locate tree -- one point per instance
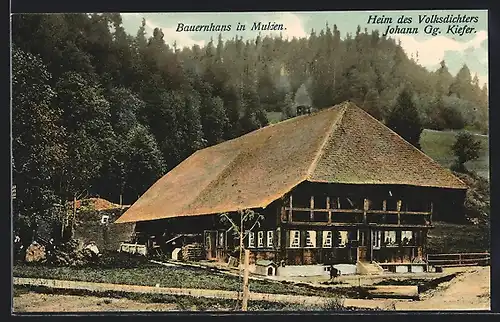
(144, 163)
(38, 146)
(405, 120)
(465, 148)
(240, 229)
(90, 136)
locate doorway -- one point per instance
(211, 244)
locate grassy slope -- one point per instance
(453, 238)
(437, 145)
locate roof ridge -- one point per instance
(328, 135)
(412, 146)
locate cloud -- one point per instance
(294, 25)
(431, 51)
(182, 39)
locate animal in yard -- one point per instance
(334, 273)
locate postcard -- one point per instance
(250, 161)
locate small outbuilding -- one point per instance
(265, 267)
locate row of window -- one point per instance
(262, 241)
(389, 238)
(329, 239)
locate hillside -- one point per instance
(437, 145)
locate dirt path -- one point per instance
(38, 302)
(468, 291)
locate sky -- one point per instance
(455, 47)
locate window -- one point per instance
(327, 239)
(270, 235)
(376, 239)
(260, 239)
(294, 238)
(104, 219)
(251, 239)
(310, 239)
(390, 238)
(342, 238)
(407, 237)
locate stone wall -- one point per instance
(107, 236)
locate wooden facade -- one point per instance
(319, 223)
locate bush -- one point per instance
(121, 260)
(477, 198)
(334, 304)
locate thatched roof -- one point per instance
(341, 144)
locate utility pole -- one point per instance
(244, 305)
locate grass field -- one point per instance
(151, 274)
(437, 145)
(179, 302)
(454, 238)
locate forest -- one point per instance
(100, 112)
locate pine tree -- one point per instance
(405, 120)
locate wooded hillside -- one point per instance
(97, 109)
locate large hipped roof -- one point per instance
(341, 144)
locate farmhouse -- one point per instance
(334, 187)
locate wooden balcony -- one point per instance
(358, 217)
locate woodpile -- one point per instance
(192, 252)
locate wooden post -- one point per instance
(312, 207)
(384, 205)
(290, 211)
(399, 211)
(329, 211)
(365, 209)
(121, 201)
(241, 239)
(244, 305)
(432, 210)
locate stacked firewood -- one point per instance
(192, 252)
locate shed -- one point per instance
(265, 267)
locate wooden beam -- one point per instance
(325, 224)
(432, 211)
(283, 214)
(358, 211)
(328, 209)
(400, 226)
(312, 208)
(384, 205)
(290, 209)
(354, 211)
(365, 209)
(399, 211)
(394, 212)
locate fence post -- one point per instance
(244, 305)
(460, 259)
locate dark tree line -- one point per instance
(96, 109)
